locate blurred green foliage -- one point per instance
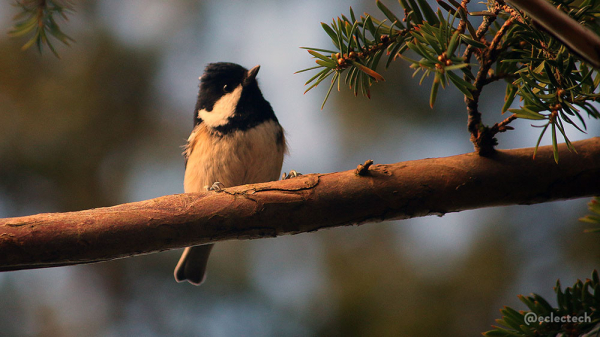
(380, 293)
(65, 123)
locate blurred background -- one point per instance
(104, 125)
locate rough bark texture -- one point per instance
(304, 204)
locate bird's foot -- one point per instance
(292, 174)
(217, 186)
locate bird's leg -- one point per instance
(292, 174)
(217, 186)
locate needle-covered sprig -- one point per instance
(361, 44)
(576, 313)
(594, 207)
(554, 84)
(37, 18)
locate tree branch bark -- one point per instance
(304, 204)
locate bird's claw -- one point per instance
(292, 174)
(217, 186)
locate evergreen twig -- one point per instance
(37, 19)
(554, 84)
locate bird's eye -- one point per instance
(226, 88)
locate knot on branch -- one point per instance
(484, 141)
(363, 169)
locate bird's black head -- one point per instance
(229, 98)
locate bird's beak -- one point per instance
(251, 75)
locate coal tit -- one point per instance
(236, 140)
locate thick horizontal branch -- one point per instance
(304, 204)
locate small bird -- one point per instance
(236, 140)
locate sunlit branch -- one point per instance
(308, 203)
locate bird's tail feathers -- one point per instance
(192, 264)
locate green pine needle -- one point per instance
(37, 19)
(551, 82)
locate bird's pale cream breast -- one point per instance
(236, 158)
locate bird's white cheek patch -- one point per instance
(223, 109)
